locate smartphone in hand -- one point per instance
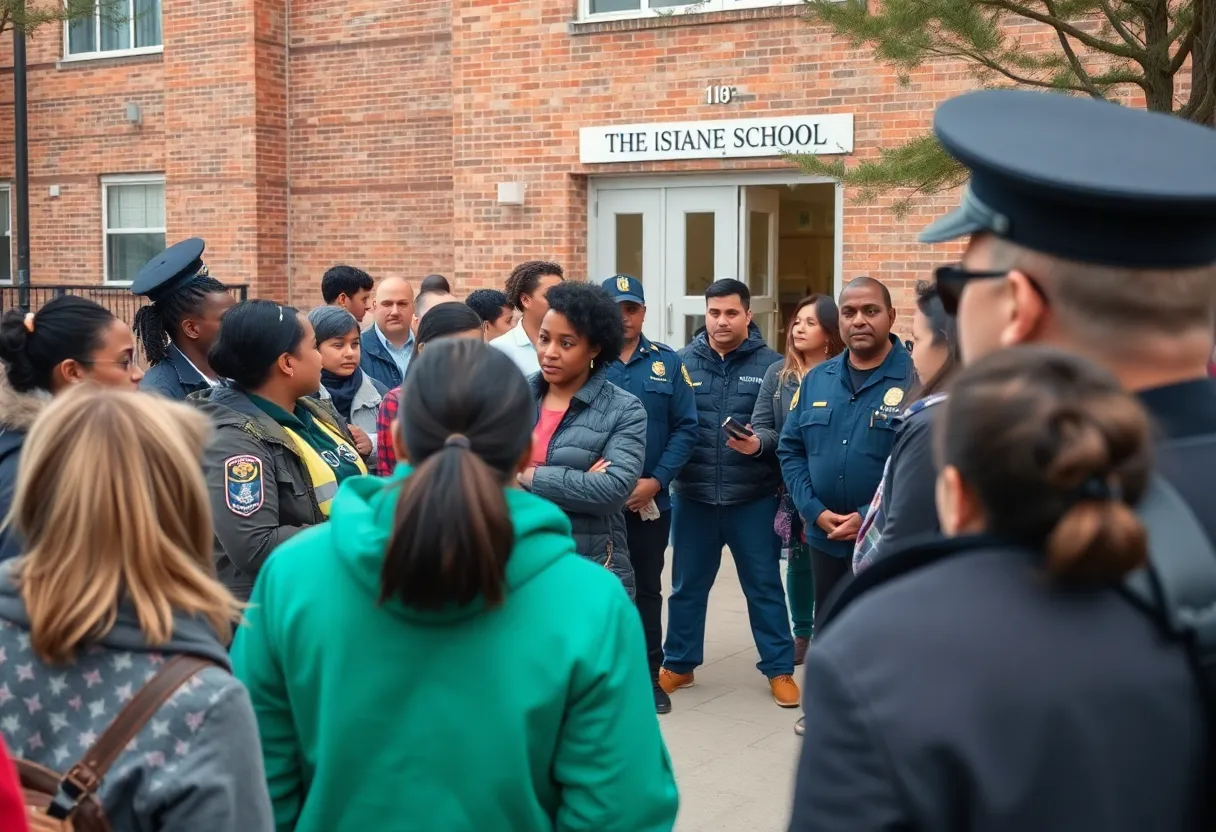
(736, 429)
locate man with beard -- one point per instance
(841, 428)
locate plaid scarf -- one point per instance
(870, 533)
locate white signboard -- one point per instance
(721, 139)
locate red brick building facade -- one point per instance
(401, 137)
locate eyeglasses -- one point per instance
(952, 279)
(125, 363)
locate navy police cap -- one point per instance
(622, 288)
(1081, 179)
(170, 269)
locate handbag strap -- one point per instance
(85, 776)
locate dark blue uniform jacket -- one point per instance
(655, 375)
(836, 441)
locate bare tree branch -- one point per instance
(1184, 50)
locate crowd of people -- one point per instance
(331, 573)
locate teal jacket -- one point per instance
(537, 715)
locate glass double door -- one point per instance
(679, 240)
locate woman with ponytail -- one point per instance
(69, 341)
(439, 656)
(999, 679)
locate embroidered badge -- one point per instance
(893, 397)
(331, 459)
(348, 453)
(658, 369)
(794, 401)
(622, 284)
(687, 378)
(243, 490)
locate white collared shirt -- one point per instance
(519, 347)
(211, 382)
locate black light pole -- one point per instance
(21, 160)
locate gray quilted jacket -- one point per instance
(603, 422)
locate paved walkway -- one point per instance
(734, 750)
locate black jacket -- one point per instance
(973, 695)
(174, 378)
(281, 501)
(726, 387)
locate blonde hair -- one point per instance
(113, 507)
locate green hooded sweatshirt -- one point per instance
(537, 715)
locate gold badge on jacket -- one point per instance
(622, 284)
(794, 401)
(893, 397)
(658, 369)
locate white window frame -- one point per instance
(7, 189)
(691, 10)
(124, 179)
(69, 57)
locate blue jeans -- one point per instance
(699, 531)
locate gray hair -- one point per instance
(331, 322)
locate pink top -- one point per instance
(542, 434)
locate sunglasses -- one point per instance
(952, 279)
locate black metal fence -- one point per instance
(117, 299)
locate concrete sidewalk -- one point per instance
(734, 750)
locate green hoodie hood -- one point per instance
(361, 522)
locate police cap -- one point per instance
(1081, 179)
(170, 269)
(622, 288)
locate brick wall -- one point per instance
(297, 134)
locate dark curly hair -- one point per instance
(594, 315)
(526, 277)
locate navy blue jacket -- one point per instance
(174, 378)
(375, 360)
(655, 375)
(836, 441)
(715, 474)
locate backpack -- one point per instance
(69, 803)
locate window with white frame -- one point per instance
(6, 240)
(114, 27)
(614, 9)
(133, 215)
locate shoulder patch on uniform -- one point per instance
(794, 401)
(661, 346)
(687, 377)
(243, 488)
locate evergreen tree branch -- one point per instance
(920, 167)
(1064, 27)
(1073, 61)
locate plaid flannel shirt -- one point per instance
(386, 460)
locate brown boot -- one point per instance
(672, 682)
(785, 691)
(800, 645)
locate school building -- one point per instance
(463, 136)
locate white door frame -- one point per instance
(596, 184)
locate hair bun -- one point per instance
(15, 334)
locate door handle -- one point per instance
(670, 329)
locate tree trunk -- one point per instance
(1203, 64)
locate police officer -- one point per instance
(841, 427)
(178, 327)
(1091, 227)
(654, 373)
